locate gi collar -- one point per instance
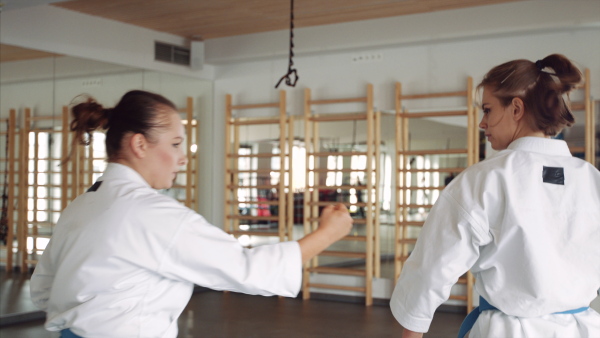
(541, 145)
(121, 171)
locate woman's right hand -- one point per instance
(335, 223)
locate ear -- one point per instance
(518, 109)
(138, 145)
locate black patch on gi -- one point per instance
(95, 186)
(554, 175)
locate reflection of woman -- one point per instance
(123, 259)
(525, 221)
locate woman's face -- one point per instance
(167, 155)
(497, 121)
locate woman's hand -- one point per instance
(335, 223)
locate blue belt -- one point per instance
(468, 323)
(67, 333)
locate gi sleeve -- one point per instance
(207, 256)
(447, 247)
(40, 284)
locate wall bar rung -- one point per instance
(434, 114)
(346, 254)
(337, 271)
(433, 95)
(254, 122)
(338, 117)
(337, 287)
(334, 101)
(433, 152)
(337, 153)
(255, 106)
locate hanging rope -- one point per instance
(292, 75)
(4, 218)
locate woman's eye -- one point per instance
(176, 145)
(486, 110)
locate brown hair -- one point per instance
(137, 112)
(541, 86)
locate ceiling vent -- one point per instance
(171, 53)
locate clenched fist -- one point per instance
(335, 223)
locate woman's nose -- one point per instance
(183, 160)
(482, 123)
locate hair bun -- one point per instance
(88, 117)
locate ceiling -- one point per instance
(210, 19)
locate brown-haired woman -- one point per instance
(525, 221)
(123, 259)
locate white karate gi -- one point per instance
(123, 260)
(533, 247)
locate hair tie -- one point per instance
(539, 64)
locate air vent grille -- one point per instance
(171, 53)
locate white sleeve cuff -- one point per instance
(407, 321)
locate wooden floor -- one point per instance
(14, 293)
(218, 314)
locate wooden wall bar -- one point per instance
(315, 174)
(258, 180)
(405, 227)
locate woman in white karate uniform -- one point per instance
(525, 221)
(123, 259)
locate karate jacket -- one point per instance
(123, 261)
(526, 222)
